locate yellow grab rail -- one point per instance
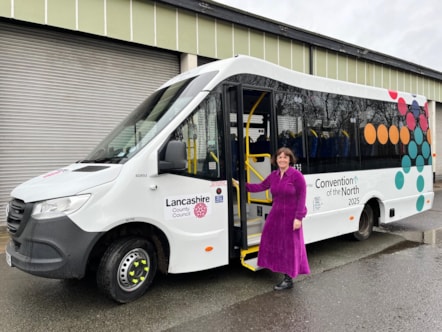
(249, 167)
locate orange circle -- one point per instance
(429, 136)
(370, 133)
(382, 134)
(393, 132)
(405, 135)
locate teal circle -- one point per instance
(406, 163)
(399, 180)
(418, 135)
(426, 150)
(420, 163)
(412, 149)
(420, 183)
(420, 203)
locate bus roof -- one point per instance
(242, 64)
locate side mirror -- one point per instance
(175, 157)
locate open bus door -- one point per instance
(250, 124)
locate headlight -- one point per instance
(58, 207)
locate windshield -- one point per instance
(147, 120)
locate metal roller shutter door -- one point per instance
(61, 93)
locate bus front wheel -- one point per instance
(127, 269)
(366, 223)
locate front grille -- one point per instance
(15, 215)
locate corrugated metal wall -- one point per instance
(60, 94)
(167, 27)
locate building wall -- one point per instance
(164, 26)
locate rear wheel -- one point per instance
(366, 223)
(127, 269)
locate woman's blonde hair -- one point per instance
(287, 152)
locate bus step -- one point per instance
(253, 224)
(250, 263)
(254, 239)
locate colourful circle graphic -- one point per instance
(420, 183)
(405, 135)
(393, 94)
(420, 163)
(412, 149)
(411, 121)
(423, 122)
(393, 132)
(406, 163)
(370, 133)
(420, 203)
(418, 136)
(426, 150)
(399, 180)
(415, 108)
(402, 106)
(382, 133)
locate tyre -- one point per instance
(127, 269)
(366, 223)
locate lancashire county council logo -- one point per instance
(200, 210)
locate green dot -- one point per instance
(406, 163)
(399, 180)
(418, 136)
(420, 163)
(420, 203)
(420, 183)
(426, 150)
(412, 149)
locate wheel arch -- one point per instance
(375, 203)
(142, 229)
(368, 218)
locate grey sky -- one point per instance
(407, 29)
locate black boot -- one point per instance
(286, 283)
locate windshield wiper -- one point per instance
(107, 160)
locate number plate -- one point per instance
(8, 259)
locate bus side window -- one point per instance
(199, 139)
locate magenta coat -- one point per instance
(282, 249)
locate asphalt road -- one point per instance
(224, 299)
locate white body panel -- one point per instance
(64, 182)
(335, 200)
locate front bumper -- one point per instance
(53, 248)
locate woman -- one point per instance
(282, 247)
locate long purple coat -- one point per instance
(282, 249)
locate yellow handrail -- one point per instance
(214, 157)
(195, 159)
(249, 156)
(191, 157)
(249, 119)
(259, 176)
